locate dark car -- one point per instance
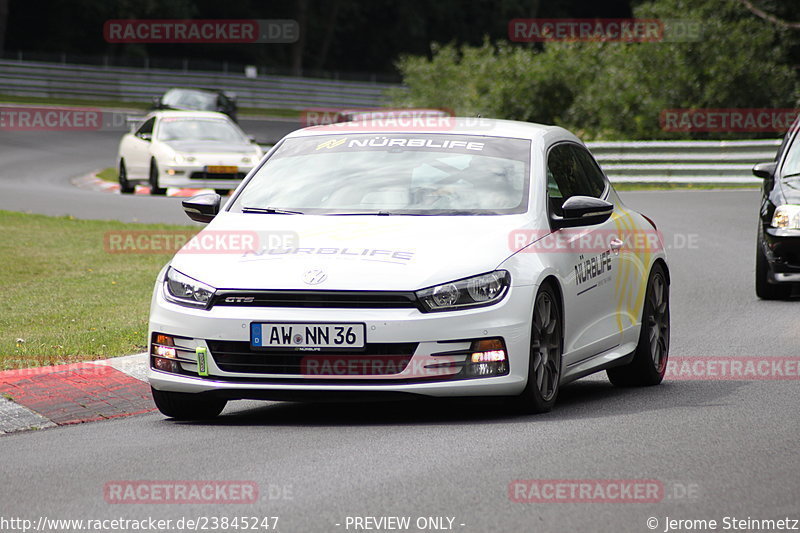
(198, 100)
(778, 248)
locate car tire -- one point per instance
(155, 190)
(764, 289)
(187, 406)
(649, 362)
(546, 349)
(125, 186)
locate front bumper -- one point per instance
(782, 250)
(196, 176)
(432, 334)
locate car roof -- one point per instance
(178, 113)
(195, 89)
(445, 125)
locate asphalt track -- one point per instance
(720, 448)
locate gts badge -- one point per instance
(239, 299)
(589, 269)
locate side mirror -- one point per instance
(583, 211)
(203, 207)
(765, 171)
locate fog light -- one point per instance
(163, 354)
(164, 351)
(167, 365)
(488, 358)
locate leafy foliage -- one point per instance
(615, 90)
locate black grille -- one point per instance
(213, 176)
(318, 299)
(376, 359)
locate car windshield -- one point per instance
(202, 101)
(791, 166)
(427, 174)
(194, 129)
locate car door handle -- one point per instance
(616, 245)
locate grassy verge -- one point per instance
(65, 298)
(109, 174)
(645, 186)
(144, 106)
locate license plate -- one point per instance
(307, 335)
(222, 170)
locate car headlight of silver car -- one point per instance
(786, 217)
(476, 291)
(183, 290)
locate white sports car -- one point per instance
(192, 149)
(491, 259)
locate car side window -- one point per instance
(146, 129)
(566, 176)
(791, 164)
(595, 179)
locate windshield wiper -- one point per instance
(270, 211)
(371, 213)
(792, 175)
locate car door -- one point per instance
(588, 257)
(137, 150)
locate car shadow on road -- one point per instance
(586, 399)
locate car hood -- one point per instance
(192, 147)
(353, 252)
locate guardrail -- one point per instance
(55, 80)
(683, 161)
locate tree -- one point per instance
(615, 90)
(3, 19)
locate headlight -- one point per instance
(181, 289)
(477, 291)
(786, 217)
(182, 158)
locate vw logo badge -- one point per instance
(315, 276)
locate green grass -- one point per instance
(144, 106)
(65, 298)
(645, 186)
(108, 174)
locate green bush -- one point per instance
(614, 90)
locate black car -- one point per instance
(198, 100)
(778, 248)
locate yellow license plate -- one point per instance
(222, 170)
